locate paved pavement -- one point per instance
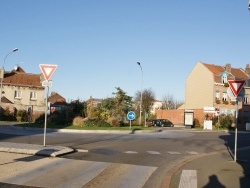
(33, 149)
(206, 170)
(215, 170)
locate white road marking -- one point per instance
(154, 152)
(59, 172)
(150, 152)
(192, 152)
(174, 153)
(188, 179)
(131, 152)
(82, 150)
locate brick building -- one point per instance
(207, 86)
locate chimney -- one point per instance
(228, 68)
(247, 70)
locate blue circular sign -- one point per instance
(131, 115)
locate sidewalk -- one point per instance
(32, 149)
(214, 170)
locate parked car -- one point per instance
(162, 123)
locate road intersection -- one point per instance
(118, 158)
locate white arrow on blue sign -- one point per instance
(131, 115)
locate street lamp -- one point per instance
(141, 91)
(2, 76)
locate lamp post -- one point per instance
(2, 76)
(141, 91)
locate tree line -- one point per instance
(114, 109)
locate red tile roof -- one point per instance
(215, 69)
(19, 77)
(236, 73)
(56, 99)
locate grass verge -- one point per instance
(72, 127)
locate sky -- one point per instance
(96, 44)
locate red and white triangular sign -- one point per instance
(47, 70)
(236, 86)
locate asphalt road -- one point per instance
(160, 150)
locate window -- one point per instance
(18, 94)
(33, 95)
(224, 97)
(224, 78)
(245, 99)
(217, 96)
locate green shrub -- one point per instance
(8, 115)
(226, 121)
(78, 121)
(96, 123)
(123, 124)
(215, 120)
(53, 118)
(217, 101)
(225, 102)
(21, 115)
(196, 123)
(40, 119)
(113, 121)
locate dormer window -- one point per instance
(224, 77)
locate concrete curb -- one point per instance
(49, 130)
(168, 177)
(32, 149)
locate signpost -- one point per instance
(47, 71)
(131, 117)
(236, 86)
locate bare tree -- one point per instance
(170, 102)
(148, 97)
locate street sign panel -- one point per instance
(47, 83)
(236, 86)
(47, 70)
(131, 115)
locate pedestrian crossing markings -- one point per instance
(150, 152)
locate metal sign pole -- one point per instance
(45, 120)
(236, 86)
(130, 124)
(218, 120)
(236, 131)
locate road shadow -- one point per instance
(242, 154)
(29, 158)
(8, 185)
(214, 183)
(24, 159)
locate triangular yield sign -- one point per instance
(236, 86)
(47, 70)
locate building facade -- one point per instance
(156, 105)
(207, 86)
(22, 91)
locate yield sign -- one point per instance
(236, 86)
(47, 70)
